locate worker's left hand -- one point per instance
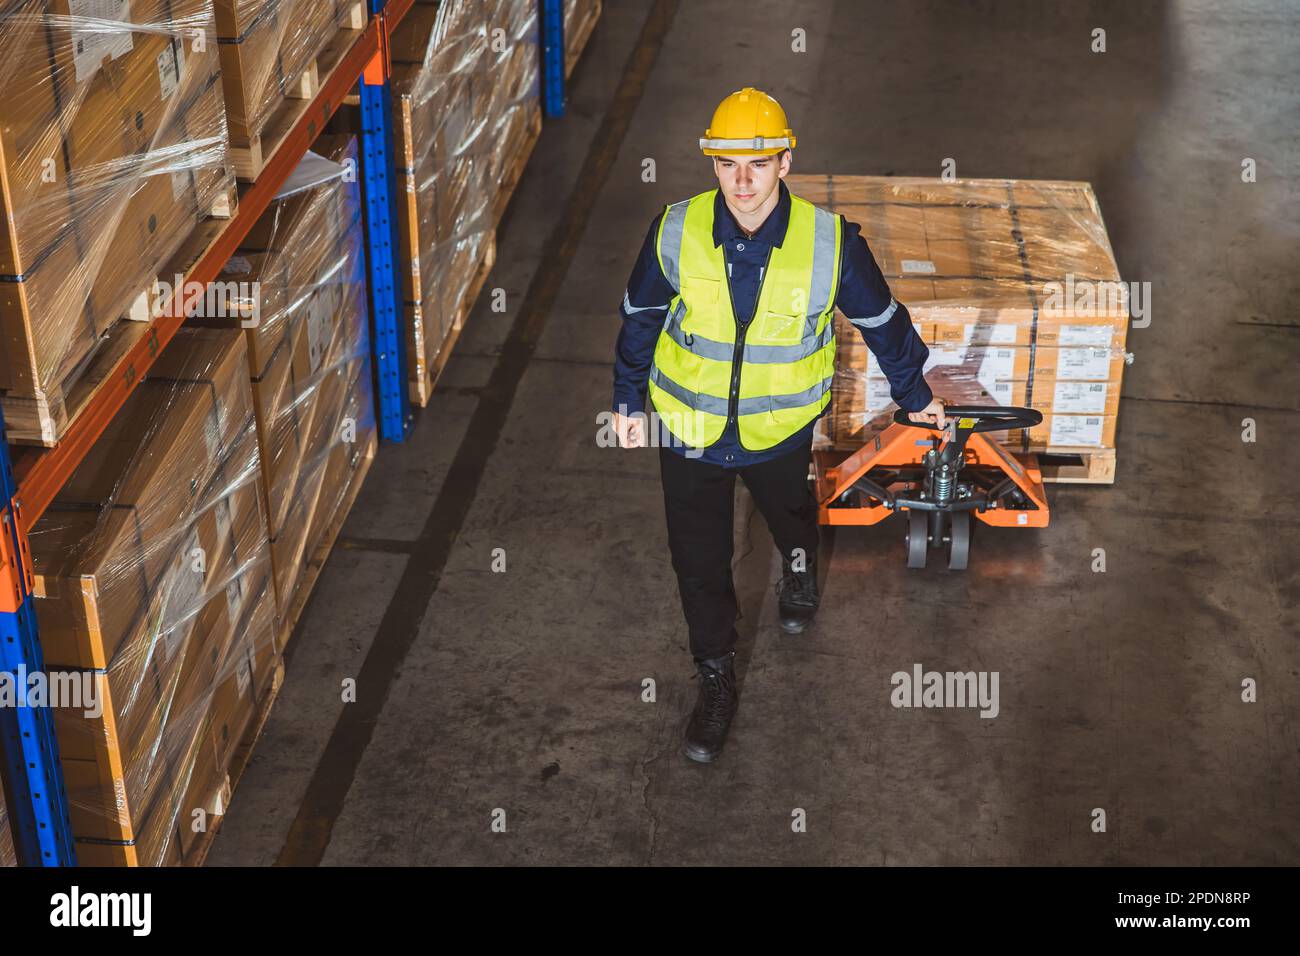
(932, 413)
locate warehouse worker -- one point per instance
(728, 318)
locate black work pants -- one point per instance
(699, 501)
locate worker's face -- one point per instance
(749, 181)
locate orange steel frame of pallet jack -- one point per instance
(900, 446)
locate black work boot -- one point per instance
(797, 596)
(714, 708)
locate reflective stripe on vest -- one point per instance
(788, 356)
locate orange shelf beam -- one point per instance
(393, 12)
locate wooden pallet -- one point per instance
(1070, 467)
(43, 419)
(249, 155)
(576, 42)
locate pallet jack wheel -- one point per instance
(959, 550)
(918, 538)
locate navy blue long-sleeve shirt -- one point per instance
(863, 297)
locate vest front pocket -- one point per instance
(779, 328)
(703, 298)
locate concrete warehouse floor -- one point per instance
(521, 690)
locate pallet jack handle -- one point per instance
(979, 418)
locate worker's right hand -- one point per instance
(630, 430)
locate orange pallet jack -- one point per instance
(938, 480)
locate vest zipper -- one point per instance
(733, 403)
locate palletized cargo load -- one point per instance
(466, 114)
(269, 58)
(1011, 283)
(309, 357)
(113, 145)
(580, 18)
(154, 591)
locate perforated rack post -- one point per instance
(29, 751)
(388, 337)
(552, 12)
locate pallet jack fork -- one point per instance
(939, 480)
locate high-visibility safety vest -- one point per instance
(773, 376)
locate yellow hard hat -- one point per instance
(747, 123)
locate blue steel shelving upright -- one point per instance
(29, 752)
(552, 14)
(388, 337)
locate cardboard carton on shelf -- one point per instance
(309, 356)
(113, 147)
(152, 563)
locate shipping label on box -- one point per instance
(998, 364)
(223, 518)
(878, 396)
(235, 598)
(320, 320)
(1081, 397)
(93, 40)
(1078, 364)
(1092, 336)
(1005, 393)
(244, 676)
(170, 62)
(940, 356)
(1077, 430)
(1000, 333)
(980, 333)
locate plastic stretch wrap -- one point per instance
(466, 78)
(309, 352)
(155, 604)
(268, 54)
(580, 18)
(7, 855)
(113, 143)
(1013, 286)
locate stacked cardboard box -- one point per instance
(466, 114)
(268, 55)
(580, 18)
(153, 583)
(113, 144)
(7, 855)
(309, 355)
(1011, 283)
(509, 97)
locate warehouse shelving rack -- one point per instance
(29, 756)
